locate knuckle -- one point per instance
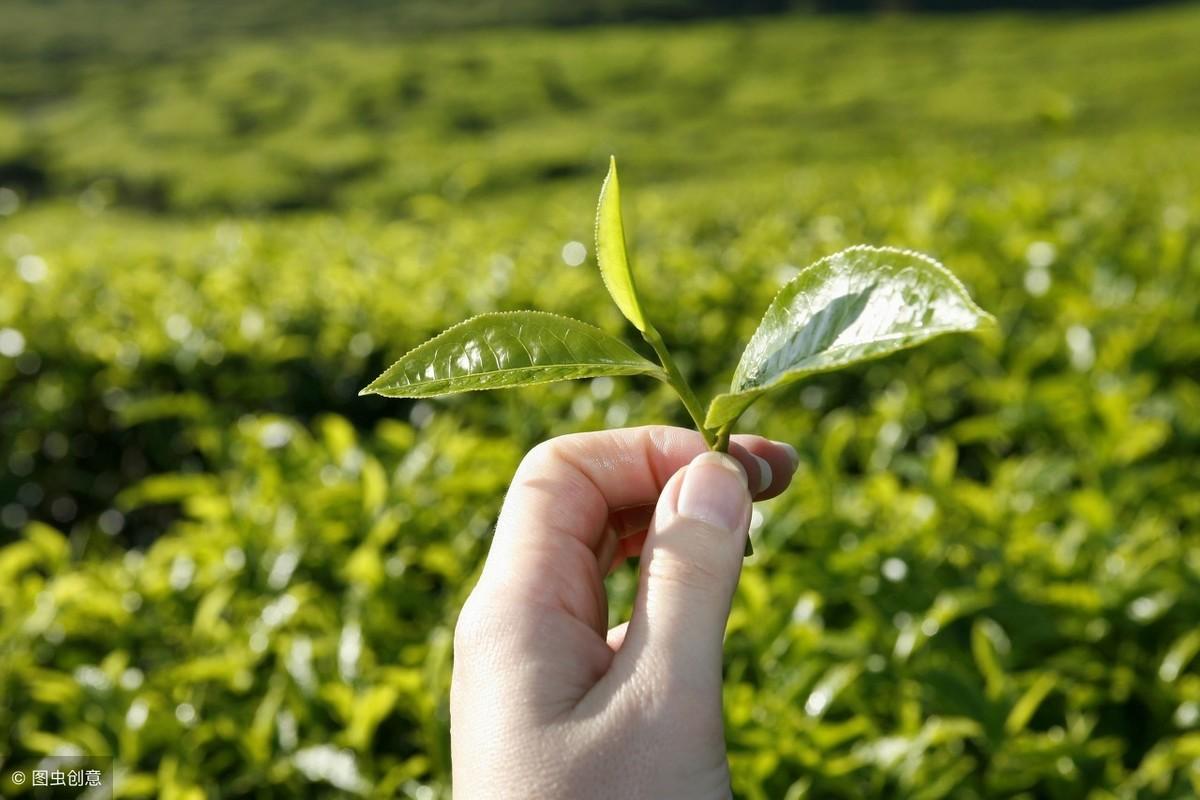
(542, 455)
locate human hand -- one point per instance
(546, 701)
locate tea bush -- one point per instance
(229, 571)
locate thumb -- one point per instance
(690, 566)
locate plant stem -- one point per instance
(722, 443)
(718, 441)
(677, 382)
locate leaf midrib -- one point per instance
(834, 352)
(648, 369)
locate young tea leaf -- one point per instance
(515, 348)
(859, 304)
(610, 250)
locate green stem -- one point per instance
(677, 382)
(722, 443)
(718, 441)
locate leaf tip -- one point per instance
(611, 256)
(610, 184)
(374, 387)
(987, 327)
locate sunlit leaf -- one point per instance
(1024, 709)
(859, 304)
(1181, 652)
(610, 250)
(989, 645)
(515, 348)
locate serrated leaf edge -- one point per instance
(652, 368)
(986, 321)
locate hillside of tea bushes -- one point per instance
(223, 567)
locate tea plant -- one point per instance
(982, 582)
(861, 303)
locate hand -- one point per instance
(546, 701)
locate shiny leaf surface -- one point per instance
(610, 250)
(499, 350)
(859, 304)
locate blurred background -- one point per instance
(219, 220)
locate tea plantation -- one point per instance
(223, 567)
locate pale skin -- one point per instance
(547, 701)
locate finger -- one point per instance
(781, 459)
(769, 466)
(565, 488)
(758, 470)
(629, 547)
(630, 525)
(551, 530)
(549, 546)
(616, 636)
(690, 565)
(561, 497)
(606, 552)
(628, 521)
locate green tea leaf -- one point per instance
(515, 348)
(859, 304)
(610, 250)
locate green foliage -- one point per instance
(350, 114)
(513, 348)
(240, 578)
(859, 304)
